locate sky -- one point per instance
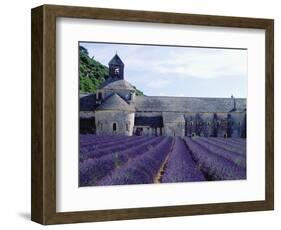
(178, 71)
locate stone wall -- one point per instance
(238, 124)
(174, 129)
(195, 124)
(174, 124)
(114, 122)
(215, 124)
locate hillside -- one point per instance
(91, 72)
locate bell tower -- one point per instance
(116, 68)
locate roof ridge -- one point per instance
(115, 59)
(115, 84)
(115, 102)
(146, 96)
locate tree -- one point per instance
(229, 125)
(198, 124)
(215, 126)
(83, 50)
(91, 72)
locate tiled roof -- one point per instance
(116, 85)
(188, 104)
(86, 114)
(116, 60)
(115, 102)
(87, 101)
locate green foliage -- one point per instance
(91, 72)
(138, 92)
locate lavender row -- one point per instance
(90, 137)
(102, 141)
(117, 147)
(234, 141)
(214, 166)
(88, 141)
(240, 149)
(95, 146)
(142, 169)
(92, 170)
(236, 158)
(229, 141)
(96, 153)
(118, 141)
(180, 166)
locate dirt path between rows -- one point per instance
(157, 178)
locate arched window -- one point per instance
(99, 96)
(116, 70)
(114, 127)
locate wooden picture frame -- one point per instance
(43, 208)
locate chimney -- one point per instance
(132, 97)
(234, 103)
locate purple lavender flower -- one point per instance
(226, 144)
(236, 158)
(180, 166)
(93, 169)
(215, 167)
(142, 169)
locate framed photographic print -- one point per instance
(140, 114)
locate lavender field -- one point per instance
(119, 160)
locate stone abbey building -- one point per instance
(115, 109)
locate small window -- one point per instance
(191, 123)
(99, 96)
(116, 71)
(208, 123)
(114, 127)
(127, 127)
